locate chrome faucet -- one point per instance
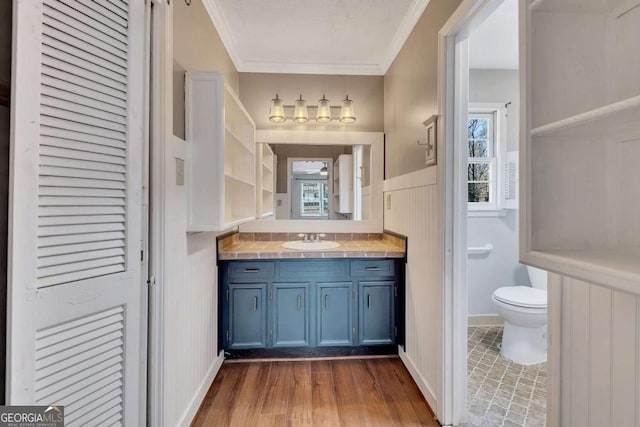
(310, 237)
(305, 237)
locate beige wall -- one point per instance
(196, 47)
(257, 90)
(410, 91)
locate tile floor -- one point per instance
(502, 393)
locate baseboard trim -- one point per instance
(426, 391)
(485, 320)
(196, 402)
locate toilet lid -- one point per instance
(522, 296)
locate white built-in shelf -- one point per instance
(265, 168)
(582, 138)
(618, 268)
(220, 172)
(240, 180)
(599, 120)
(233, 139)
(612, 7)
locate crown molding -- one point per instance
(224, 30)
(298, 68)
(402, 33)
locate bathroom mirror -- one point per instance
(324, 181)
(321, 182)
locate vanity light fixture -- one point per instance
(324, 111)
(324, 171)
(276, 112)
(300, 114)
(324, 115)
(346, 113)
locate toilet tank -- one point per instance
(537, 277)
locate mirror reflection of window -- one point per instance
(310, 191)
(315, 200)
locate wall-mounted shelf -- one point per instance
(582, 140)
(220, 173)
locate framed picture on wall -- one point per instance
(430, 140)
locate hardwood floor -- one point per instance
(346, 392)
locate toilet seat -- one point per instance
(522, 296)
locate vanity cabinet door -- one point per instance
(335, 314)
(247, 316)
(376, 313)
(290, 315)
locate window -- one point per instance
(314, 199)
(481, 168)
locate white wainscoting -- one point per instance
(190, 305)
(594, 355)
(412, 208)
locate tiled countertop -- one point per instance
(252, 249)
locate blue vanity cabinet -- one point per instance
(247, 316)
(377, 313)
(311, 306)
(335, 314)
(290, 316)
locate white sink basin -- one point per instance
(310, 246)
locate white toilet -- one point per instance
(524, 310)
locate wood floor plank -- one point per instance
(351, 408)
(276, 396)
(366, 386)
(402, 399)
(337, 393)
(420, 406)
(250, 395)
(300, 411)
(321, 366)
(270, 420)
(221, 397)
(323, 399)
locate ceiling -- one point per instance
(494, 43)
(307, 167)
(353, 37)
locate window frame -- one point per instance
(497, 156)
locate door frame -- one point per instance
(161, 124)
(453, 81)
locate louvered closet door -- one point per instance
(75, 312)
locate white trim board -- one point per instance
(243, 65)
(484, 320)
(198, 398)
(419, 178)
(426, 391)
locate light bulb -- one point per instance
(324, 111)
(300, 114)
(276, 112)
(346, 113)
